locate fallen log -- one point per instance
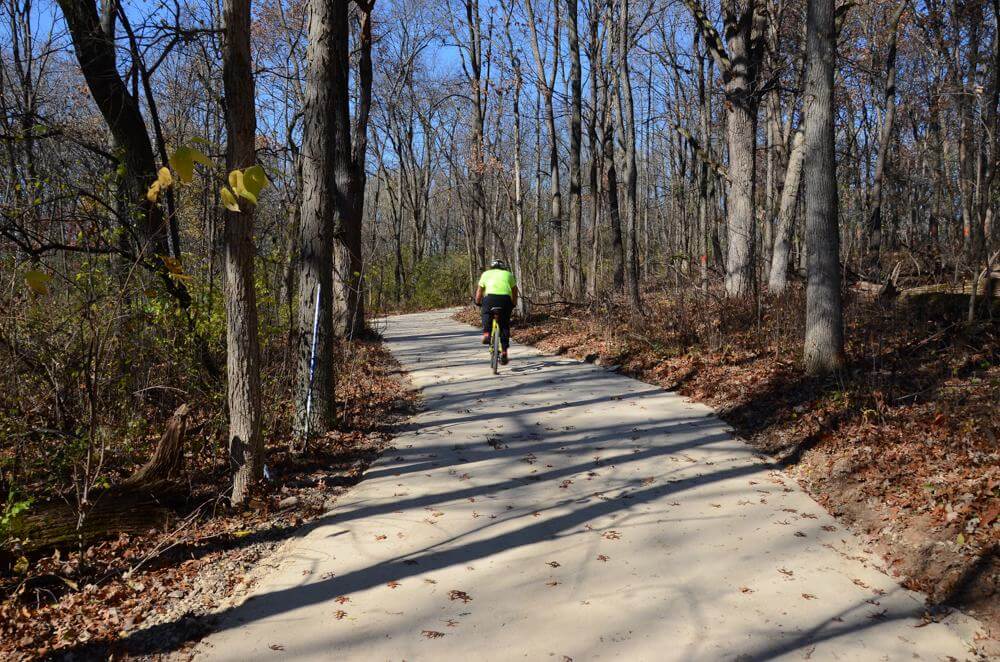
(145, 500)
(946, 289)
(951, 297)
(117, 510)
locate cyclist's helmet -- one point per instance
(498, 264)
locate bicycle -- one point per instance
(495, 340)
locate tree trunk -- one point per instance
(547, 89)
(704, 117)
(95, 51)
(594, 57)
(778, 278)
(741, 131)
(885, 140)
(352, 273)
(614, 215)
(246, 445)
(824, 341)
(314, 403)
(474, 51)
(575, 140)
(626, 127)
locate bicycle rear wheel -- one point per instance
(495, 348)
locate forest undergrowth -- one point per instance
(902, 445)
(87, 598)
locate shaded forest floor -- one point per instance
(88, 599)
(902, 446)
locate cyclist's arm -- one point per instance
(479, 295)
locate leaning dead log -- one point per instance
(168, 458)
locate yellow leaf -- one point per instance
(242, 534)
(21, 565)
(229, 200)
(199, 157)
(164, 177)
(248, 195)
(236, 180)
(38, 281)
(254, 179)
(183, 160)
(153, 194)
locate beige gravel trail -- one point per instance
(561, 511)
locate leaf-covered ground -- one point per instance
(902, 445)
(86, 601)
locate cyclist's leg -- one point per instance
(508, 308)
(485, 310)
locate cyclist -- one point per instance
(497, 289)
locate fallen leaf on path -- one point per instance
(460, 595)
(341, 599)
(552, 583)
(746, 589)
(432, 634)
(381, 537)
(799, 534)
(611, 535)
(860, 583)
(554, 564)
(786, 572)
(393, 584)
(276, 647)
(339, 614)
(808, 596)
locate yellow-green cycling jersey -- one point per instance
(497, 281)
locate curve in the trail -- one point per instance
(561, 511)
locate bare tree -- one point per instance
(322, 117)
(885, 136)
(738, 61)
(824, 342)
(547, 86)
(575, 140)
(246, 446)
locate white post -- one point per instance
(312, 362)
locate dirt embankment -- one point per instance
(903, 446)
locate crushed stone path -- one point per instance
(560, 511)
